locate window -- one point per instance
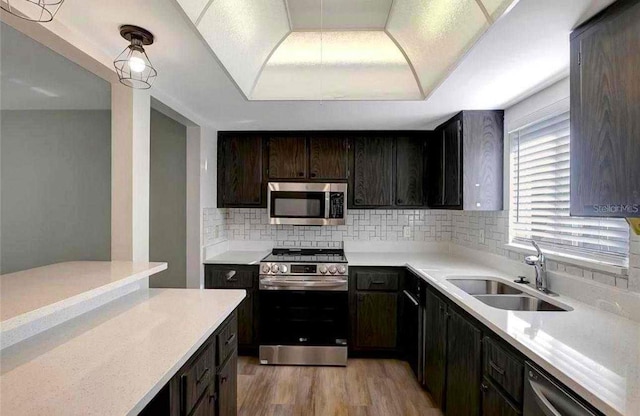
(540, 197)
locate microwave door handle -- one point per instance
(327, 207)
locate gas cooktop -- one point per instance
(306, 255)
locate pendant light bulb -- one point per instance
(137, 64)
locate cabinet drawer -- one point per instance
(503, 369)
(196, 377)
(494, 404)
(229, 278)
(227, 339)
(385, 281)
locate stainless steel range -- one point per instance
(304, 307)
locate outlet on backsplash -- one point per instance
(407, 232)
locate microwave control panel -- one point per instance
(336, 201)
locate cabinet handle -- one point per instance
(497, 369)
(358, 200)
(484, 387)
(223, 379)
(313, 174)
(202, 376)
(229, 276)
(400, 201)
(300, 173)
(230, 339)
(377, 282)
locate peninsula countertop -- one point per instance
(112, 360)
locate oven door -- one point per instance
(299, 203)
(304, 318)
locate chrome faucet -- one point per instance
(539, 262)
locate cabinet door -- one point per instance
(227, 387)
(464, 367)
(287, 158)
(483, 156)
(373, 172)
(452, 164)
(605, 116)
(494, 404)
(435, 342)
(435, 169)
(240, 173)
(409, 172)
(377, 320)
(245, 320)
(328, 158)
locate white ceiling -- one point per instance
(313, 15)
(333, 41)
(524, 51)
(34, 77)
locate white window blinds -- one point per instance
(540, 197)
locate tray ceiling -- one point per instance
(341, 49)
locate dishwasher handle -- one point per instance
(543, 396)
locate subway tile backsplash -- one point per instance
(461, 228)
(364, 225)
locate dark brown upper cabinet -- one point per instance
(465, 162)
(372, 182)
(240, 169)
(288, 158)
(605, 113)
(328, 158)
(410, 172)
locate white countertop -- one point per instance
(32, 289)
(114, 359)
(238, 257)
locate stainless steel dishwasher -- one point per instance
(544, 397)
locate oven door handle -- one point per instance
(290, 283)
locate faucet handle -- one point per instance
(537, 247)
(521, 280)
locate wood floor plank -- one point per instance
(366, 387)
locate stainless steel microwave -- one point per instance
(300, 203)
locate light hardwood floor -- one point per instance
(366, 387)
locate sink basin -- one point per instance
(519, 303)
(484, 287)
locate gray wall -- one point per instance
(168, 200)
(55, 187)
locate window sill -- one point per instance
(586, 263)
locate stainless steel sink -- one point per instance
(519, 303)
(484, 287)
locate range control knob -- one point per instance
(322, 269)
(266, 268)
(333, 269)
(342, 270)
(284, 268)
(275, 268)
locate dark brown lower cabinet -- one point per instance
(223, 276)
(435, 342)
(207, 383)
(493, 403)
(376, 320)
(226, 385)
(464, 366)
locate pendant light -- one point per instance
(33, 10)
(132, 65)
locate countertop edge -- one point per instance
(138, 407)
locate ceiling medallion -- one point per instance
(33, 10)
(132, 65)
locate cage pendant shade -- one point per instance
(133, 66)
(33, 10)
